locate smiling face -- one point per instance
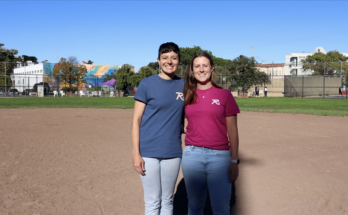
(169, 62)
(202, 70)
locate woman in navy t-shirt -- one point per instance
(156, 131)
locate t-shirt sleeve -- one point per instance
(231, 105)
(141, 92)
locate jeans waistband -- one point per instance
(203, 148)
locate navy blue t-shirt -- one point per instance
(161, 123)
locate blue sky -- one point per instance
(118, 32)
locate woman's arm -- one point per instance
(138, 161)
(232, 131)
(185, 125)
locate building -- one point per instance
(274, 70)
(293, 65)
(27, 74)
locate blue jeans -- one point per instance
(159, 183)
(203, 169)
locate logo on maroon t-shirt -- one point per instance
(216, 101)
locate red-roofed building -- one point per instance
(275, 70)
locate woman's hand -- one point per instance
(139, 164)
(233, 172)
(138, 161)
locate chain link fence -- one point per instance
(19, 80)
(326, 86)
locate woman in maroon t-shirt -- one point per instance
(210, 158)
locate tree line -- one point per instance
(331, 63)
(240, 73)
(9, 56)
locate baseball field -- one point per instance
(73, 156)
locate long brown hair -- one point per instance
(191, 82)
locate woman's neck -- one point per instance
(166, 76)
(204, 86)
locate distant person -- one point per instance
(265, 91)
(340, 91)
(258, 90)
(156, 131)
(210, 158)
(126, 93)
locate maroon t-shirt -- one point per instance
(207, 118)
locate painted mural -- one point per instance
(94, 76)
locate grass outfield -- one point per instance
(68, 102)
(320, 107)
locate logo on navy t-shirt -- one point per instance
(180, 95)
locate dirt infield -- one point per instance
(78, 161)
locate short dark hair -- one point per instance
(168, 47)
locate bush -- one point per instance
(70, 89)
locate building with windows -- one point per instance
(274, 70)
(293, 64)
(27, 74)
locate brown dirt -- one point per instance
(78, 161)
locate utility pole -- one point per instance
(252, 51)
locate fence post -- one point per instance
(324, 86)
(302, 84)
(290, 88)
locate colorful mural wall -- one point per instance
(93, 77)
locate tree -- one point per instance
(8, 56)
(2, 82)
(261, 78)
(123, 75)
(90, 62)
(70, 71)
(153, 65)
(187, 54)
(244, 73)
(31, 58)
(108, 77)
(325, 64)
(143, 72)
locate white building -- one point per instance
(293, 65)
(26, 75)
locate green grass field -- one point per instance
(68, 102)
(320, 107)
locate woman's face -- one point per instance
(202, 69)
(169, 62)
